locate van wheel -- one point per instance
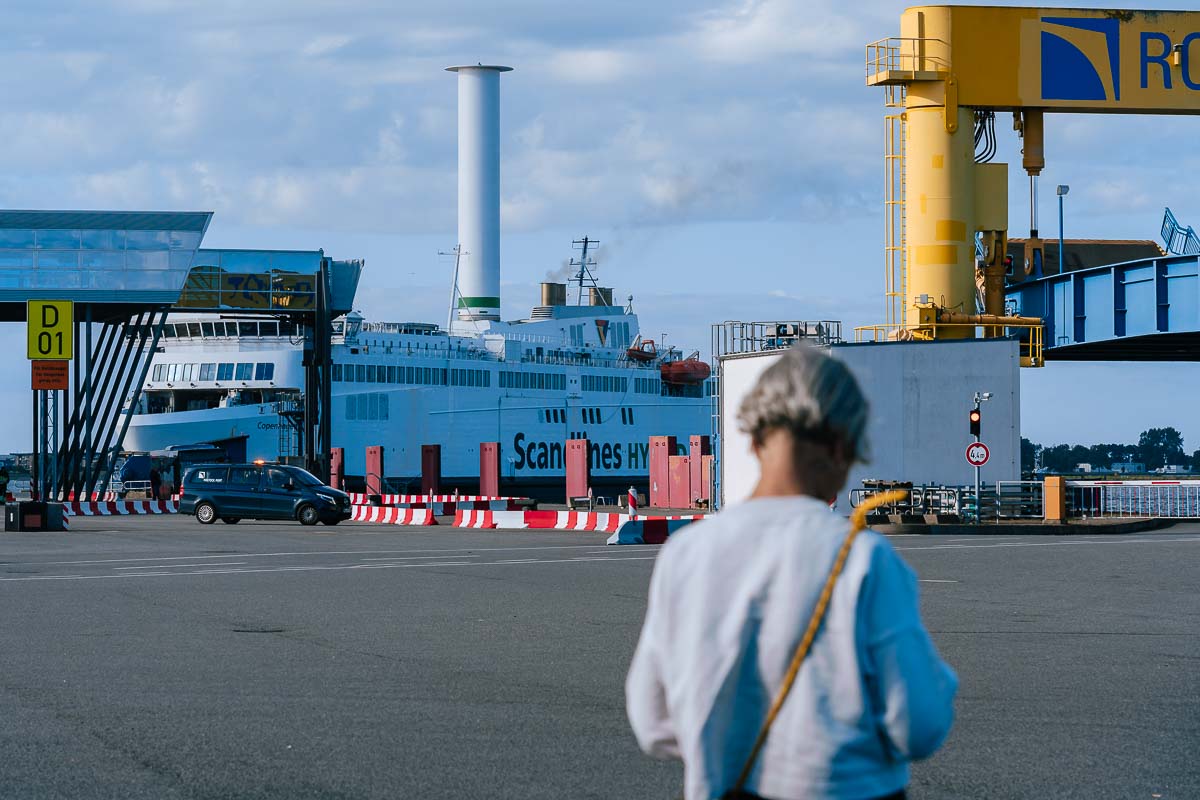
(308, 515)
(206, 513)
(231, 520)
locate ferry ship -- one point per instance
(564, 372)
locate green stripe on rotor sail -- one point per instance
(479, 302)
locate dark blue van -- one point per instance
(233, 492)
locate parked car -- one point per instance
(233, 492)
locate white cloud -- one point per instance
(326, 44)
(591, 66)
(755, 31)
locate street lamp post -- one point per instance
(980, 399)
(1062, 192)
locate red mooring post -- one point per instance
(337, 463)
(661, 449)
(680, 482)
(431, 468)
(577, 467)
(489, 469)
(374, 470)
(698, 448)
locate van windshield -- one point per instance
(305, 478)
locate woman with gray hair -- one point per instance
(732, 596)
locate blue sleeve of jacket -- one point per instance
(913, 689)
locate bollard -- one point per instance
(489, 469)
(431, 468)
(1054, 499)
(661, 450)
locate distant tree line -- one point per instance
(1155, 448)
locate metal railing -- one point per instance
(735, 336)
(1019, 500)
(1173, 499)
(1030, 336)
(913, 56)
(1177, 239)
(1003, 500)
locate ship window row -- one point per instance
(382, 373)
(533, 380)
(554, 415)
(470, 377)
(604, 383)
(367, 406)
(244, 328)
(229, 371)
(612, 334)
(593, 416)
(647, 385)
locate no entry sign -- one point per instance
(978, 454)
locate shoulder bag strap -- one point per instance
(858, 521)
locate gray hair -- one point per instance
(813, 395)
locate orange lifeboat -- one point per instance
(642, 351)
(685, 371)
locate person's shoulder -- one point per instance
(753, 519)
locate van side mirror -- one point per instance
(290, 486)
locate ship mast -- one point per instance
(584, 276)
(457, 252)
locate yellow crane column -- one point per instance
(940, 171)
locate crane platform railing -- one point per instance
(1030, 336)
(1176, 238)
(899, 59)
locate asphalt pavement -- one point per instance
(156, 658)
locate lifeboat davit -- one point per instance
(686, 371)
(642, 351)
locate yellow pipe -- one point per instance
(953, 318)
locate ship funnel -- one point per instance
(600, 296)
(554, 294)
(479, 190)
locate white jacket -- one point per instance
(729, 600)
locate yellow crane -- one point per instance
(947, 75)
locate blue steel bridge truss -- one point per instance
(1146, 310)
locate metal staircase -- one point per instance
(1178, 240)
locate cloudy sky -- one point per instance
(726, 154)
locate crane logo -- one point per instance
(1081, 58)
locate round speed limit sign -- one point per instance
(978, 454)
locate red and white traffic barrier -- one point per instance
(115, 508)
(96, 497)
(359, 499)
(556, 520)
(393, 516)
(502, 519)
(650, 530)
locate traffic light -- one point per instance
(975, 418)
